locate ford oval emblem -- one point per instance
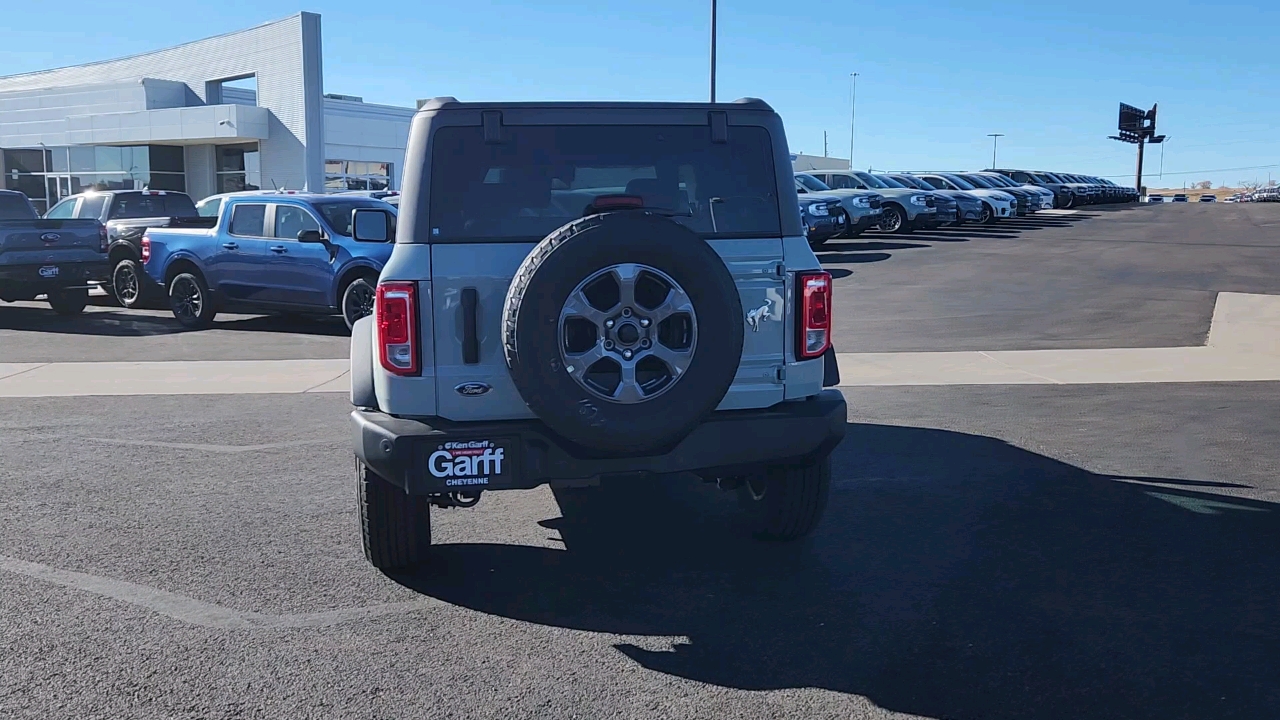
(50, 237)
(472, 389)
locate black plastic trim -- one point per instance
(470, 326)
(830, 368)
(728, 442)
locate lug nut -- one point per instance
(608, 323)
(626, 354)
(626, 312)
(644, 322)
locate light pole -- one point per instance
(713, 50)
(853, 113)
(1166, 137)
(44, 177)
(995, 138)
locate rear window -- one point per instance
(542, 177)
(149, 206)
(15, 207)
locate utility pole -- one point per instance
(995, 138)
(824, 144)
(853, 113)
(713, 50)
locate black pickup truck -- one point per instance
(127, 214)
(55, 258)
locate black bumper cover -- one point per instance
(729, 442)
(70, 275)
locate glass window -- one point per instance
(292, 220)
(338, 213)
(1022, 177)
(109, 159)
(64, 210)
(25, 161)
(977, 181)
(209, 207)
(844, 182)
(871, 181)
(890, 182)
(729, 188)
(166, 181)
(335, 167)
(811, 183)
(137, 206)
(14, 207)
(933, 181)
(248, 220)
(165, 158)
(958, 183)
(92, 206)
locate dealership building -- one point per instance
(245, 110)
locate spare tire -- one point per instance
(622, 331)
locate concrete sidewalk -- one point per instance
(1243, 345)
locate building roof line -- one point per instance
(153, 52)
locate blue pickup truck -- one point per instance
(273, 252)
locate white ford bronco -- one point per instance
(592, 291)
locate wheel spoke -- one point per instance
(628, 390)
(578, 306)
(676, 302)
(626, 275)
(577, 365)
(676, 360)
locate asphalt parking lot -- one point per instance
(990, 551)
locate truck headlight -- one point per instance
(920, 200)
(862, 202)
(818, 210)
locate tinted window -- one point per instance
(1023, 177)
(870, 180)
(338, 214)
(959, 182)
(63, 210)
(811, 183)
(15, 207)
(933, 182)
(91, 207)
(248, 220)
(542, 177)
(908, 181)
(291, 220)
(889, 181)
(977, 181)
(844, 182)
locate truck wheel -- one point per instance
(126, 283)
(69, 301)
(395, 527)
(357, 299)
(190, 301)
(785, 502)
(894, 220)
(622, 331)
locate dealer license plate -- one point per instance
(469, 464)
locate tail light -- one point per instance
(146, 249)
(102, 237)
(813, 291)
(396, 317)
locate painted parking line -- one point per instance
(1243, 345)
(198, 612)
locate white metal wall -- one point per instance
(285, 56)
(368, 132)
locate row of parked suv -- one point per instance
(280, 251)
(844, 203)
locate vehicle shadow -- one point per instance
(119, 322)
(860, 246)
(955, 576)
(853, 257)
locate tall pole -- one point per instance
(713, 50)
(1138, 181)
(853, 113)
(995, 138)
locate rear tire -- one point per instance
(988, 215)
(894, 220)
(190, 301)
(69, 301)
(786, 502)
(395, 527)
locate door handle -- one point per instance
(231, 246)
(279, 249)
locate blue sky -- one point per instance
(935, 77)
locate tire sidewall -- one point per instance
(127, 265)
(536, 364)
(346, 292)
(205, 317)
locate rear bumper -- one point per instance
(35, 279)
(730, 442)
